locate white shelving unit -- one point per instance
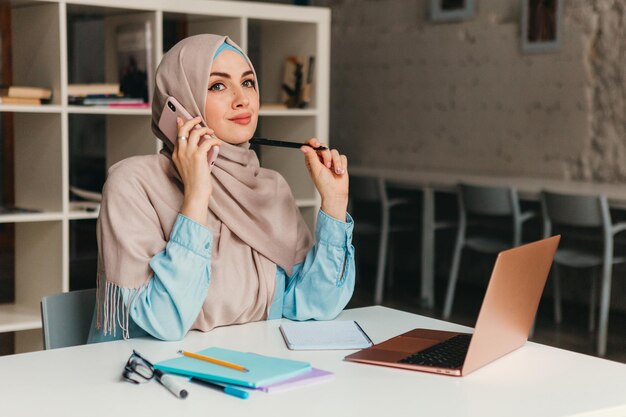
(268, 32)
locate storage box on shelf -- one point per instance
(75, 43)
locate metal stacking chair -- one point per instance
(373, 190)
(587, 214)
(483, 205)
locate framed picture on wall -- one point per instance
(541, 24)
(451, 10)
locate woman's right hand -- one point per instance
(190, 157)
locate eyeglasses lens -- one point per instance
(137, 370)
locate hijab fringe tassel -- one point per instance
(113, 307)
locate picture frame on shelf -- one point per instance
(451, 10)
(541, 25)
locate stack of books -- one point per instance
(235, 370)
(15, 94)
(101, 95)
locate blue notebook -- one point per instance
(263, 370)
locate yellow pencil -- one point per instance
(213, 360)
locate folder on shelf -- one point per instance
(262, 370)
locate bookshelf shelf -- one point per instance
(30, 217)
(59, 145)
(108, 110)
(15, 317)
(44, 108)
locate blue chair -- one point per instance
(586, 215)
(67, 317)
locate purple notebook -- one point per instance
(314, 376)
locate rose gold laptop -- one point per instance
(504, 322)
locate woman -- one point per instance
(183, 245)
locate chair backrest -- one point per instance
(575, 210)
(367, 189)
(66, 318)
(488, 201)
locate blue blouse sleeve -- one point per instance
(320, 287)
(167, 307)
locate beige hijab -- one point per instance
(255, 222)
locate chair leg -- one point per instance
(390, 263)
(605, 298)
(454, 273)
(556, 281)
(593, 302)
(382, 258)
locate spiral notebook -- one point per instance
(263, 370)
(322, 335)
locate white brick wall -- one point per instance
(410, 93)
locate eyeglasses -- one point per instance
(138, 369)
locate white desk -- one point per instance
(430, 181)
(535, 380)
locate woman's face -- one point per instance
(232, 101)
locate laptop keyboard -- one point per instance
(447, 354)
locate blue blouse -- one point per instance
(318, 288)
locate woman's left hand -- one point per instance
(329, 172)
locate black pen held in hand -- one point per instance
(284, 144)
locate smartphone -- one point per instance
(167, 124)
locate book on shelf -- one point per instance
(19, 91)
(17, 94)
(19, 100)
(78, 90)
(141, 105)
(297, 81)
(103, 100)
(134, 59)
